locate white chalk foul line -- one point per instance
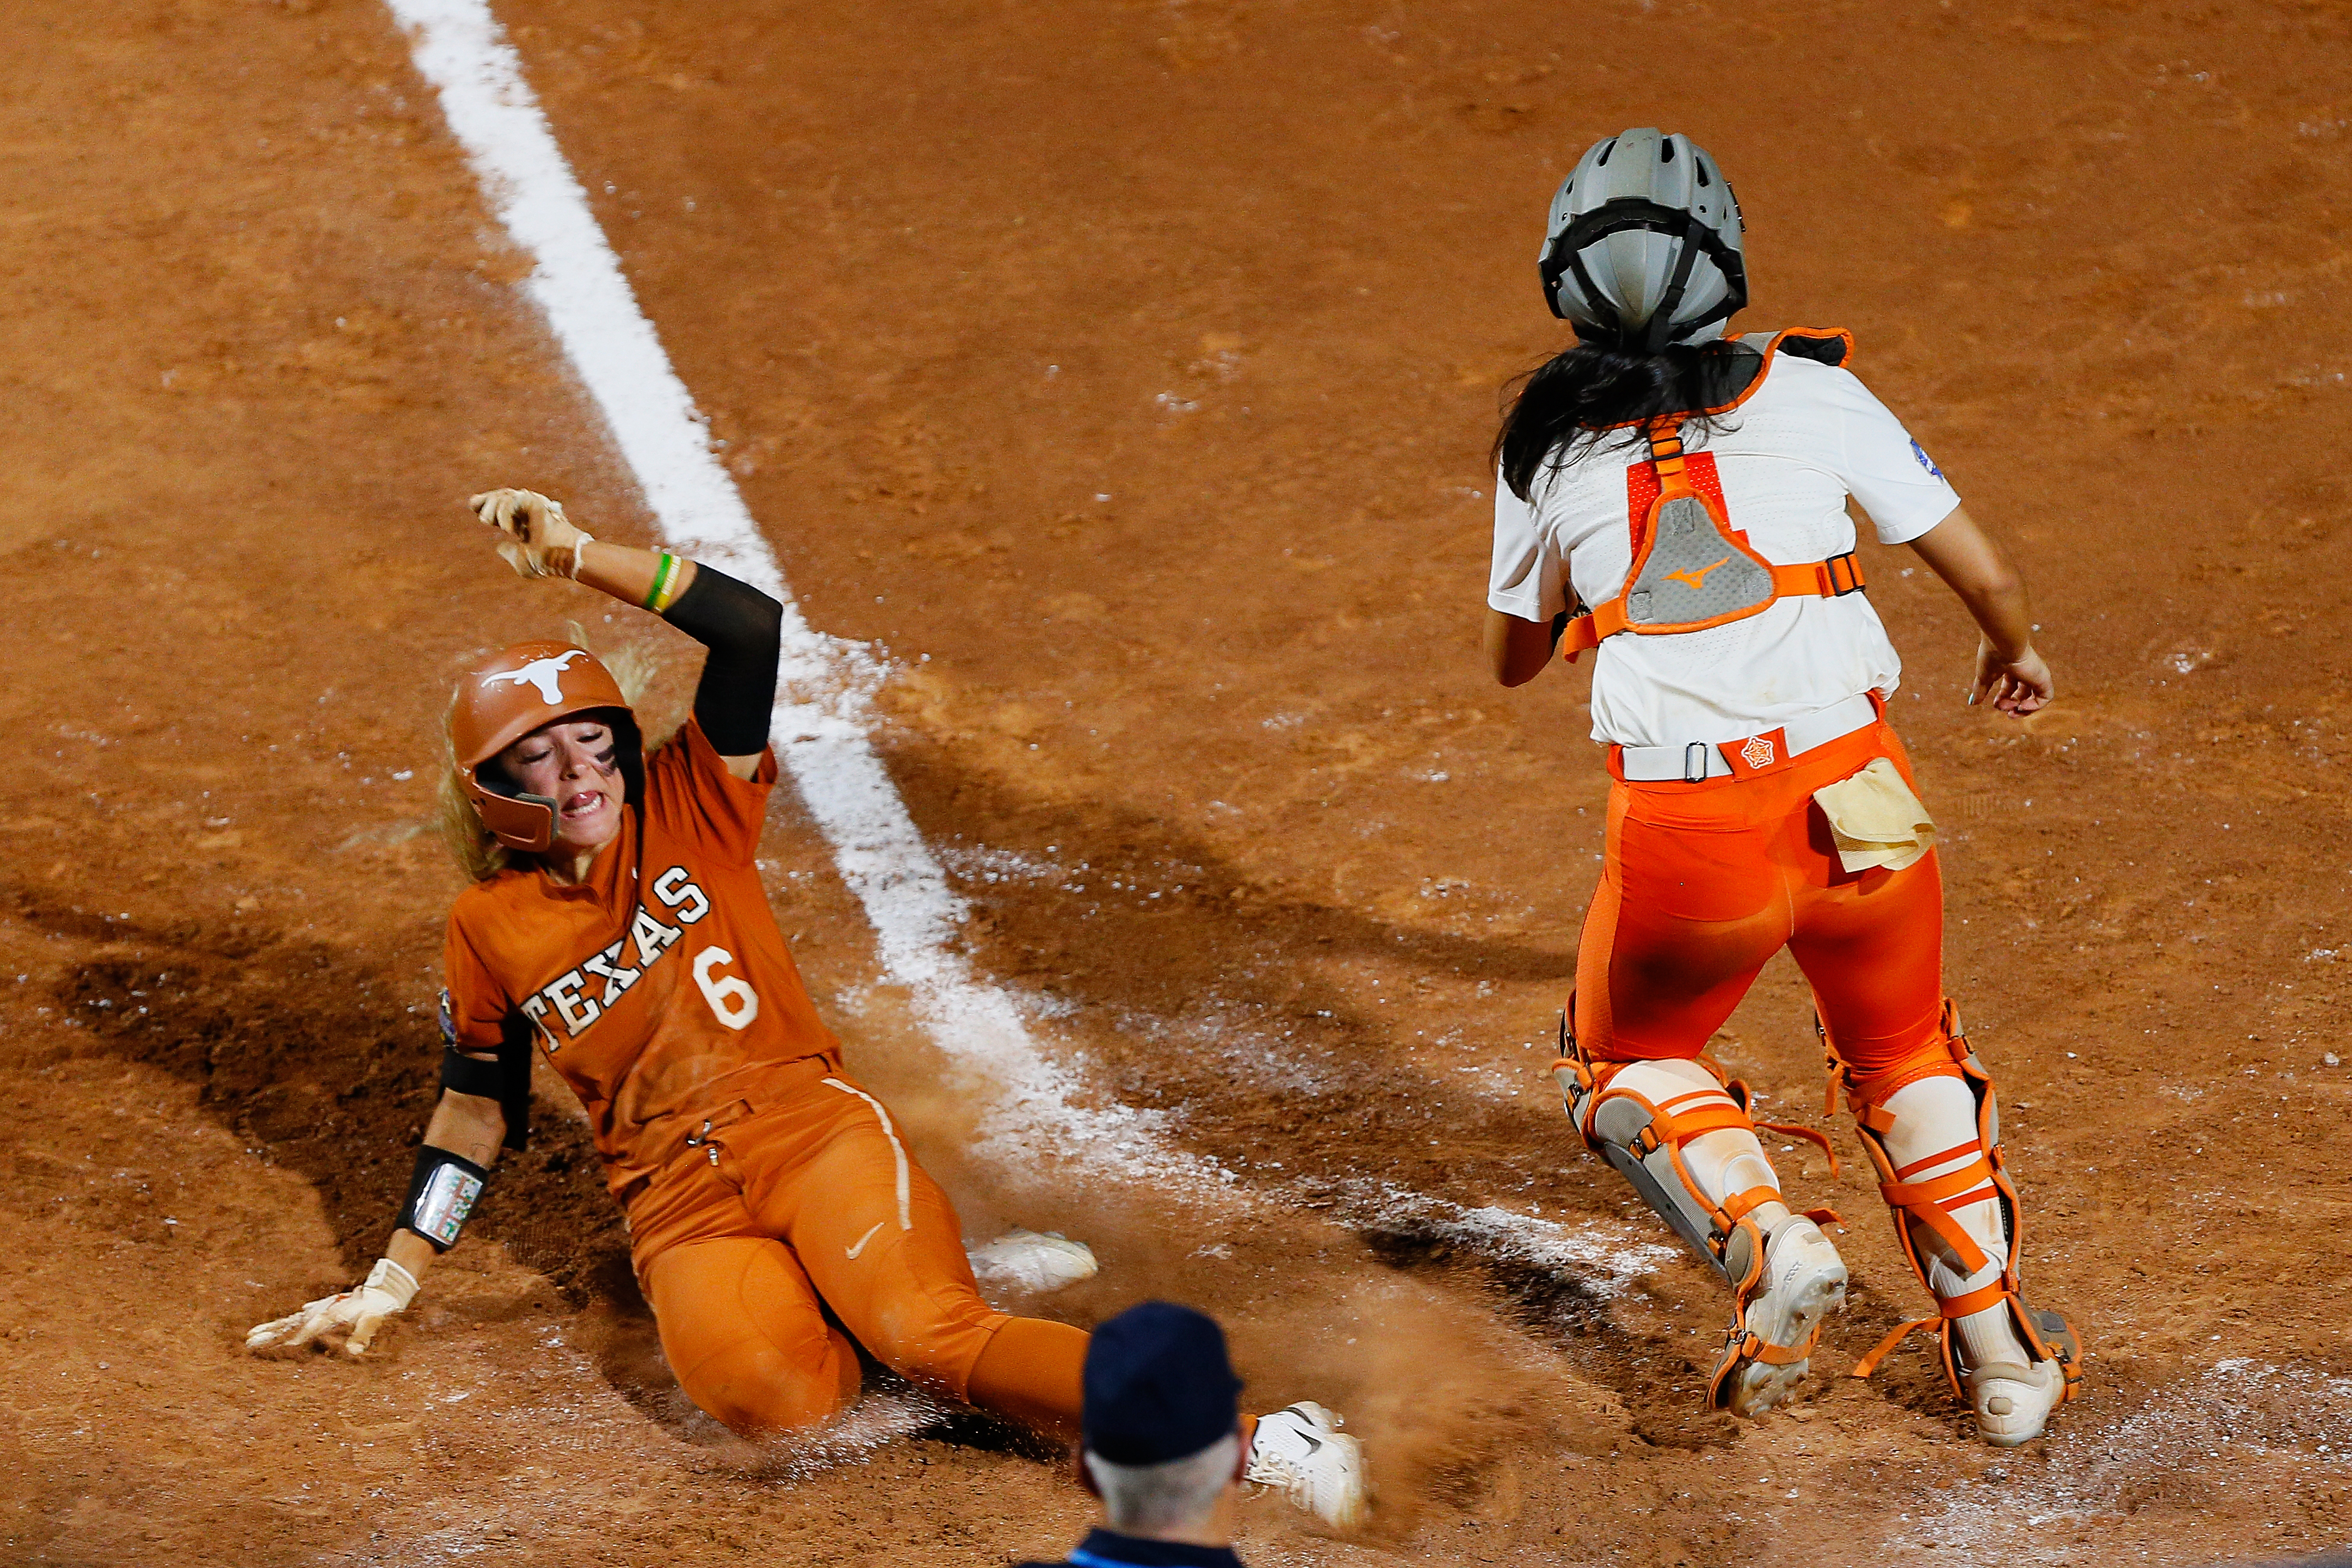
(822, 701)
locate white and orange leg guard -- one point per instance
(1682, 1135)
(1937, 1142)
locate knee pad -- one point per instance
(1920, 1203)
(1640, 1118)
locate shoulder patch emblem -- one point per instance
(1925, 461)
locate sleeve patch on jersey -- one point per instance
(449, 1020)
(1925, 461)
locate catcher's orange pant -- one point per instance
(786, 1232)
(1703, 882)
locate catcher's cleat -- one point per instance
(1780, 1320)
(1300, 1452)
(2013, 1403)
(1037, 1263)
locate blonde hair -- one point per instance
(474, 847)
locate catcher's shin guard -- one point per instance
(1925, 1195)
(1642, 1118)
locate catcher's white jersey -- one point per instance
(1804, 437)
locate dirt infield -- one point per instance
(1122, 369)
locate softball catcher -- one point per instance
(1673, 499)
(617, 923)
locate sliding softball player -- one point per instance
(1673, 500)
(618, 924)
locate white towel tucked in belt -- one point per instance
(1876, 819)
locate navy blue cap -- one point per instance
(1158, 1385)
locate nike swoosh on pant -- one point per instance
(862, 1241)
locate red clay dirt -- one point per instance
(1124, 371)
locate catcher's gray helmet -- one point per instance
(1643, 249)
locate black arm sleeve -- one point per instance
(743, 629)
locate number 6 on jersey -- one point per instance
(733, 1000)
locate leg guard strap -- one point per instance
(1791, 1130)
(2046, 1334)
(1885, 1347)
(1931, 1202)
(1964, 1306)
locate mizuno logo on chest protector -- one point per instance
(1697, 580)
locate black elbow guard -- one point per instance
(506, 1078)
(462, 1074)
(744, 629)
(441, 1194)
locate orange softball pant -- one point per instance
(770, 1246)
(1705, 882)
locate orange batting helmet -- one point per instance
(509, 694)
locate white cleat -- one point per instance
(1300, 1451)
(1804, 1282)
(1033, 1261)
(2012, 1402)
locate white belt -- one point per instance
(1701, 760)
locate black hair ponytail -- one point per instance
(1593, 387)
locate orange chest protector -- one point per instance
(1692, 568)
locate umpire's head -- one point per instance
(1161, 1422)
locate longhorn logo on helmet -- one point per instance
(547, 674)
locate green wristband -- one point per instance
(657, 597)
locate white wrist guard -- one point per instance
(394, 1281)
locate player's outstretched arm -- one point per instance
(2008, 670)
(741, 626)
(540, 541)
(463, 1137)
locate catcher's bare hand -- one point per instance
(347, 1322)
(540, 542)
(2016, 686)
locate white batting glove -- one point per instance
(540, 542)
(348, 1320)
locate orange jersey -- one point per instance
(659, 988)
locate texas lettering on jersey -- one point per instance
(566, 1000)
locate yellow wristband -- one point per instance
(666, 576)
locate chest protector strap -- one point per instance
(1691, 570)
